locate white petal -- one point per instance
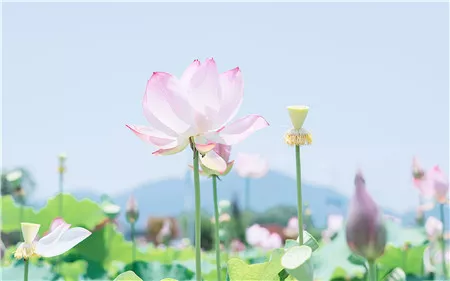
(213, 161)
(66, 241)
(54, 234)
(165, 105)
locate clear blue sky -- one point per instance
(376, 77)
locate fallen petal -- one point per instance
(57, 222)
(66, 241)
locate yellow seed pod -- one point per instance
(298, 137)
(61, 169)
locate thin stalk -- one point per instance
(299, 193)
(372, 276)
(198, 219)
(247, 194)
(216, 228)
(21, 217)
(61, 186)
(133, 241)
(25, 272)
(444, 265)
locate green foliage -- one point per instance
(158, 271)
(128, 276)
(106, 253)
(84, 213)
(239, 270)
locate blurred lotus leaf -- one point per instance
(128, 276)
(85, 213)
(239, 270)
(158, 271)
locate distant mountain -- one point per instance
(174, 196)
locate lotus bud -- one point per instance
(132, 211)
(365, 229)
(417, 170)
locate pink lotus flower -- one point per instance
(255, 234)
(224, 152)
(335, 223)
(274, 241)
(198, 107)
(433, 184)
(251, 166)
(365, 230)
(434, 228)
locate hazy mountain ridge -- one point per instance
(173, 196)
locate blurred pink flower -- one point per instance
(256, 234)
(237, 246)
(251, 166)
(293, 223)
(434, 228)
(199, 105)
(365, 229)
(334, 223)
(439, 183)
(434, 184)
(274, 241)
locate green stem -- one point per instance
(61, 178)
(444, 265)
(198, 219)
(372, 271)
(133, 241)
(25, 272)
(247, 194)
(216, 227)
(299, 193)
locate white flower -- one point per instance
(58, 241)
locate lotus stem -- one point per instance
(372, 274)
(133, 241)
(61, 187)
(247, 194)
(444, 265)
(198, 217)
(21, 216)
(299, 193)
(25, 272)
(216, 228)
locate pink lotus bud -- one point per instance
(132, 211)
(417, 170)
(365, 230)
